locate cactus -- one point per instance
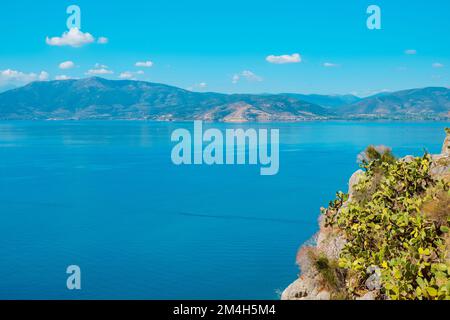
(390, 230)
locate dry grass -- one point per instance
(438, 207)
(332, 277)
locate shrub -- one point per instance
(376, 155)
(400, 227)
(329, 271)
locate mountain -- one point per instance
(327, 101)
(98, 98)
(423, 103)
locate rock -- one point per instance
(294, 291)
(303, 288)
(330, 244)
(354, 180)
(373, 282)
(440, 167)
(371, 295)
(323, 295)
(446, 145)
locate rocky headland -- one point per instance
(387, 238)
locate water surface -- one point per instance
(105, 195)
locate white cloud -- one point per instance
(285, 58)
(437, 65)
(251, 76)
(145, 64)
(66, 65)
(411, 51)
(74, 38)
(246, 74)
(102, 40)
(19, 78)
(62, 77)
(130, 74)
(43, 76)
(330, 65)
(126, 75)
(98, 71)
(14, 75)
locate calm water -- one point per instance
(105, 196)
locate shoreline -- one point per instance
(386, 120)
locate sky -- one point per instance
(232, 46)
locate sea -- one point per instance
(105, 196)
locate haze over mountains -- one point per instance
(98, 98)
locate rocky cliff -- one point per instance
(388, 238)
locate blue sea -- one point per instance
(104, 195)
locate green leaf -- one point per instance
(432, 291)
(420, 282)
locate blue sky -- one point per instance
(223, 45)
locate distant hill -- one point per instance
(326, 101)
(98, 98)
(414, 103)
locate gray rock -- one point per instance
(354, 180)
(305, 288)
(374, 280)
(331, 244)
(301, 289)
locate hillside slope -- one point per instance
(415, 103)
(98, 98)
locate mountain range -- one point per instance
(99, 98)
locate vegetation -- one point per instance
(332, 276)
(397, 225)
